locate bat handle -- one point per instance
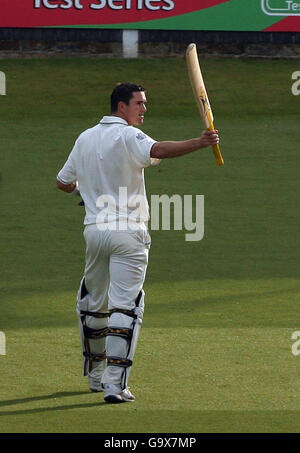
(218, 155)
(216, 148)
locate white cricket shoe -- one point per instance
(95, 384)
(114, 394)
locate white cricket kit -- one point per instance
(108, 162)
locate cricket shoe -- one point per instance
(115, 395)
(95, 385)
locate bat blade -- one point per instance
(200, 94)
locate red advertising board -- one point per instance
(43, 13)
(226, 15)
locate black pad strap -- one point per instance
(125, 312)
(94, 314)
(84, 290)
(118, 361)
(137, 300)
(119, 332)
(130, 313)
(94, 357)
(94, 334)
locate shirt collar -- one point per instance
(113, 119)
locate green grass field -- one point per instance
(215, 347)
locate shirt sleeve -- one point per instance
(67, 174)
(139, 145)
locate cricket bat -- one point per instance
(200, 94)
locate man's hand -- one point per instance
(69, 188)
(209, 138)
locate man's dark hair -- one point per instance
(123, 92)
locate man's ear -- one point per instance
(122, 106)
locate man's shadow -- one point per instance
(47, 409)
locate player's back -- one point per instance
(107, 157)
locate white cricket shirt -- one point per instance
(108, 161)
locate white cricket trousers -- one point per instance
(115, 270)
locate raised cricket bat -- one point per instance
(200, 94)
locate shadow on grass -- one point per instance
(52, 409)
(16, 321)
(232, 297)
(46, 409)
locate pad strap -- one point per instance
(94, 314)
(123, 332)
(94, 357)
(118, 361)
(137, 300)
(125, 312)
(130, 313)
(94, 334)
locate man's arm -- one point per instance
(168, 149)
